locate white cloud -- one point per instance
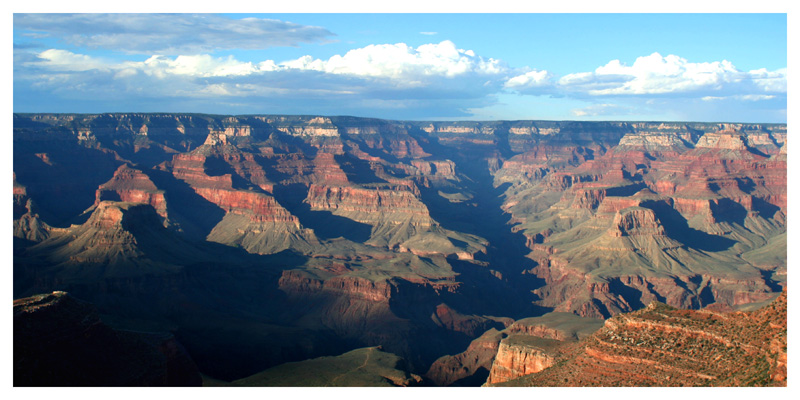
(436, 79)
(659, 75)
(435, 76)
(200, 66)
(403, 64)
(770, 81)
(428, 33)
(577, 78)
(531, 79)
(158, 66)
(302, 63)
(62, 60)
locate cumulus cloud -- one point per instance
(436, 77)
(670, 75)
(167, 33)
(62, 60)
(395, 81)
(398, 65)
(769, 81)
(197, 66)
(157, 66)
(530, 80)
(404, 64)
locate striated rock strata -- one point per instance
(665, 346)
(523, 347)
(265, 239)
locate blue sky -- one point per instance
(686, 67)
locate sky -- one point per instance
(443, 66)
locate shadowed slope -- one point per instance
(362, 367)
(118, 239)
(61, 341)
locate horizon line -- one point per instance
(389, 119)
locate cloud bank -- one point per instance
(169, 34)
(657, 75)
(397, 75)
(185, 66)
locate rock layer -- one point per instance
(664, 346)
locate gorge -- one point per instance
(440, 253)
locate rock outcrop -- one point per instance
(469, 368)
(61, 341)
(132, 186)
(372, 206)
(119, 239)
(397, 217)
(253, 219)
(27, 224)
(525, 346)
(729, 140)
(663, 346)
(520, 355)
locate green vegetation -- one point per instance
(361, 367)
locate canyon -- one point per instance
(444, 253)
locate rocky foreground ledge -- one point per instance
(665, 346)
(61, 341)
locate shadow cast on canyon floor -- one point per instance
(325, 224)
